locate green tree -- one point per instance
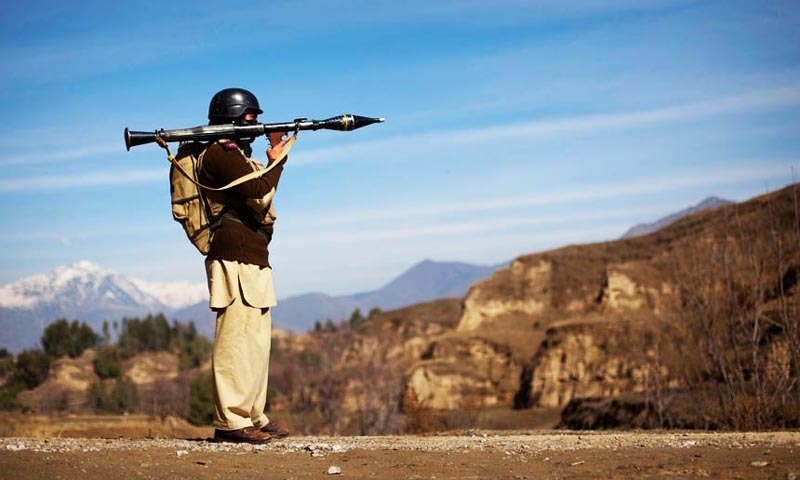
(356, 318)
(108, 362)
(32, 368)
(83, 337)
(97, 397)
(6, 365)
(330, 327)
(62, 338)
(201, 400)
(8, 396)
(56, 339)
(193, 348)
(151, 333)
(124, 395)
(106, 333)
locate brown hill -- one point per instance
(712, 296)
(162, 388)
(708, 304)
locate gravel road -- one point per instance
(470, 455)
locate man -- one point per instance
(239, 273)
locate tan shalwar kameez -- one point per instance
(242, 295)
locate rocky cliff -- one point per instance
(597, 321)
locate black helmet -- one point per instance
(231, 103)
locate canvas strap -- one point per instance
(286, 148)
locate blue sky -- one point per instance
(511, 126)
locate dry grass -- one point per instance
(102, 426)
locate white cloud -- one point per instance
(488, 224)
(80, 180)
(60, 155)
(782, 97)
(705, 178)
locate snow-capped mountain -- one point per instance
(174, 294)
(87, 292)
(75, 285)
(82, 282)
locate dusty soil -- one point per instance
(469, 455)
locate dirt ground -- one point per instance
(470, 455)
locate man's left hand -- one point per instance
(277, 144)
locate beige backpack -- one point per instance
(189, 207)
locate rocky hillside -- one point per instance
(643, 316)
(162, 388)
(622, 317)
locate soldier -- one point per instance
(239, 274)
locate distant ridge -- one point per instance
(427, 280)
(645, 228)
(90, 293)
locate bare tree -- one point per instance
(739, 305)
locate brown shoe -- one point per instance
(275, 430)
(243, 435)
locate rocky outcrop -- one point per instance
(544, 293)
(522, 289)
(458, 373)
(589, 360)
(440, 386)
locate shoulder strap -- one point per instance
(238, 181)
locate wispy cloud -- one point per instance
(765, 170)
(472, 12)
(79, 180)
(472, 227)
(526, 10)
(783, 97)
(59, 155)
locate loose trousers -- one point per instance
(242, 295)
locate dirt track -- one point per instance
(472, 455)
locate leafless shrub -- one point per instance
(418, 417)
(165, 398)
(377, 395)
(739, 307)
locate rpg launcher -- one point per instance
(230, 131)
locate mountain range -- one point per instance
(90, 293)
(85, 291)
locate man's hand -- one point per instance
(277, 144)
